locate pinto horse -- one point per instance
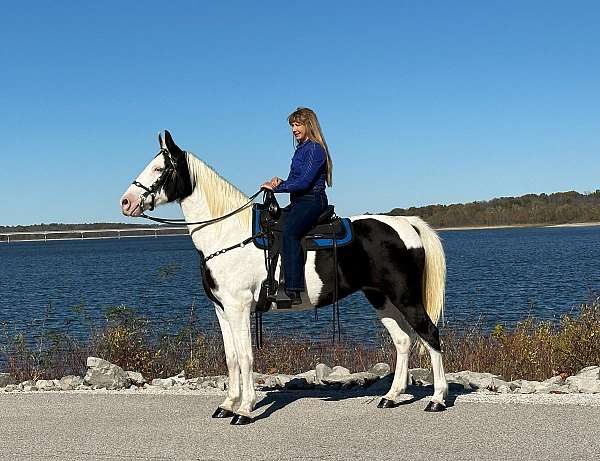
(398, 263)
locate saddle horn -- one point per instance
(271, 204)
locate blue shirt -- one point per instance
(308, 172)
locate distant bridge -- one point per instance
(91, 234)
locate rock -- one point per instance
(103, 374)
(321, 371)
(504, 389)
(340, 371)
(180, 378)
(310, 376)
(380, 369)
(47, 385)
(164, 383)
(11, 388)
(68, 383)
(6, 379)
(27, 383)
(136, 378)
(353, 379)
(550, 388)
(275, 381)
(554, 380)
(420, 376)
(30, 388)
(526, 387)
(589, 372)
(382, 385)
(583, 384)
(477, 380)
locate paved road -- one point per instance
(93, 426)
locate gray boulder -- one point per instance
(525, 387)
(589, 372)
(420, 376)
(68, 383)
(476, 380)
(47, 384)
(7, 379)
(136, 378)
(321, 371)
(351, 379)
(380, 369)
(340, 371)
(11, 388)
(583, 384)
(103, 374)
(165, 383)
(382, 385)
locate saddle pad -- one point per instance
(318, 238)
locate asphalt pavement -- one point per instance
(293, 425)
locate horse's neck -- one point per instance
(197, 207)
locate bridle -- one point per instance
(169, 169)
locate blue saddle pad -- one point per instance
(323, 236)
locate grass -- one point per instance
(533, 349)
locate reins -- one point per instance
(208, 222)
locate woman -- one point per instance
(310, 173)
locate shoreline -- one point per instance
(518, 226)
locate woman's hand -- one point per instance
(272, 184)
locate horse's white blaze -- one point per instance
(401, 225)
(147, 177)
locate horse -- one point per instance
(397, 262)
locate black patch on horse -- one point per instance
(179, 185)
(378, 262)
(208, 282)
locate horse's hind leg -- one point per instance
(396, 326)
(417, 318)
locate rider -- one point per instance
(310, 172)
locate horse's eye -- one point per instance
(158, 169)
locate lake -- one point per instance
(498, 275)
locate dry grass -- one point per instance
(532, 350)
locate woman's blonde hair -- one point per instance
(308, 118)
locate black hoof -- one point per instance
(222, 413)
(240, 420)
(435, 407)
(385, 403)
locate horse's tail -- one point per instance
(434, 274)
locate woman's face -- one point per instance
(299, 131)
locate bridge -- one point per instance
(91, 234)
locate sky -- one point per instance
(420, 102)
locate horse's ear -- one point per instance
(161, 142)
(171, 146)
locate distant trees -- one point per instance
(557, 208)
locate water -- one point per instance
(502, 275)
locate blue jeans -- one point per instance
(303, 215)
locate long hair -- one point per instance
(308, 118)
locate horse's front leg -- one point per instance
(238, 317)
(227, 408)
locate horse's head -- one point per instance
(165, 179)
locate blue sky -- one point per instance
(420, 102)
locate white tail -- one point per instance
(434, 275)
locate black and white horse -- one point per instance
(398, 263)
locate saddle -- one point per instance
(268, 221)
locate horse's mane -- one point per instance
(221, 196)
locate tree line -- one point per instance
(530, 209)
